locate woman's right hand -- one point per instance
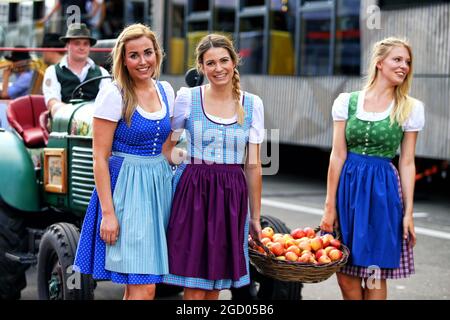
(109, 229)
(329, 219)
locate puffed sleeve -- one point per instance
(416, 119)
(339, 111)
(170, 94)
(256, 134)
(182, 108)
(108, 103)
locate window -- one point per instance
(251, 44)
(176, 34)
(282, 35)
(315, 42)
(224, 15)
(347, 50)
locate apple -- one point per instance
(305, 257)
(319, 253)
(267, 232)
(328, 249)
(289, 242)
(277, 248)
(280, 258)
(335, 254)
(316, 243)
(265, 241)
(297, 233)
(335, 243)
(326, 238)
(324, 259)
(294, 249)
(291, 256)
(309, 232)
(304, 245)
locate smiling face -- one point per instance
(140, 59)
(78, 49)
(218, 66)
(396, 66)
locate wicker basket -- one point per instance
(283, 270)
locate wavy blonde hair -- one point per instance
(403, 102)
(221, 41)
(120, 71)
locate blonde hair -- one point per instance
(220, 41)
(120, 71)
(403, 102)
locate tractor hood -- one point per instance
(74, 119)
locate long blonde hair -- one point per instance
(220, 41)
(403, 102)
(120, 71)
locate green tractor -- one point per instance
(46, 181)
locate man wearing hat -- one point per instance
(75, 67)
(20, 68)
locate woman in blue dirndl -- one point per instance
(367, 198)
(123, 237)
(209, 224)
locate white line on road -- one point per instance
(319, 212)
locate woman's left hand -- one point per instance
(408, 230)
(255, 229)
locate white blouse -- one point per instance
(108, 104)
(415, 121)
(182, 111)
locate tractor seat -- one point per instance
(23, 115)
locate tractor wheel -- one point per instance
(265, 288)
(12, 239)
(56, 278)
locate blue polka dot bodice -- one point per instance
(144, 137)
(217, 142)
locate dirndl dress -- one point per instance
(141, 183)
(369, 201)
(209, 223)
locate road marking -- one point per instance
(319, 212)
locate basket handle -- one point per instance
(258, 242)
(335, 231)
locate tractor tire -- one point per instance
(56, 278)
(266, 288)
(13, 238)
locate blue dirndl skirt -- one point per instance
(370, 211)
(142, 195)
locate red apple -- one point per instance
(335, 254)
(305, 257)
(277, 249)
(319, 253)
(335, 243)
(297, 233)
(326, 238)
(316, 243)
(309, 232)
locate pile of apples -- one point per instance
(301, 245)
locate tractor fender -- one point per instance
(18, 183)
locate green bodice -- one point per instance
(374, 138)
